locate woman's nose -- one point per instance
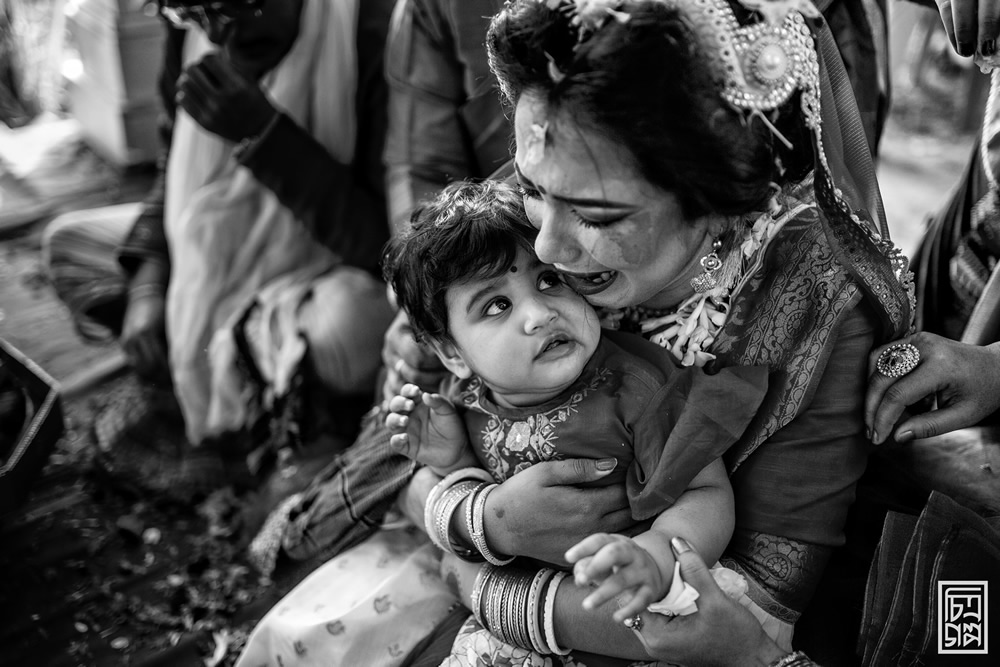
(554, 243)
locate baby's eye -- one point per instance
(496, 306)
(549, 280)
(530, 193)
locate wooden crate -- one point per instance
(21, 461)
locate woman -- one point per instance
(669, 193)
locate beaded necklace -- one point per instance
(689, 329)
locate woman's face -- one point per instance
(620, 239)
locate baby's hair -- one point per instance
(470, 231)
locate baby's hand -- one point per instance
(427, 428)
(617, 565)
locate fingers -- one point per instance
(575, 471)
(888, 397)
(694, 570)
(936, 422)
(621, 569)
(400, 442)
(925, 380)
(640, 599)
(438, 403)
(989, 26)
(971, 25)
(963, 17)
(877, 386)
(586, 547)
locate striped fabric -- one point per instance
(80, 250)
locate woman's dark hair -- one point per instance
(644, 83)
(470, 231)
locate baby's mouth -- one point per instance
(553, 343)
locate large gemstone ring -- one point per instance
(898, 360)
(634, 622)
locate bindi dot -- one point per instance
(513, 269)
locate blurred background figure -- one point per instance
(246, 282)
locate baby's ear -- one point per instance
(451, 358)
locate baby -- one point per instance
(535, 380)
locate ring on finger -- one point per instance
(634, 623)
(898, 360)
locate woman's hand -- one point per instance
(694, 639)
(407, 360)
(223, 101)
(965, 379)
(541, 511)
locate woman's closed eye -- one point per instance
(528, 191)
(596, 221)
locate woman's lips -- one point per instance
(590, 283)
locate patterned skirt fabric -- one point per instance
(371, 605)
(80, 251)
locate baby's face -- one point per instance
(526, 334)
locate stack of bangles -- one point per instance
(515, 604)
(472, 485)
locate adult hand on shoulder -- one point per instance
(223, 101)
(694, 640)
(965, 380)
(407, 360)
(542, 511)
(144, 337)
(971, 25)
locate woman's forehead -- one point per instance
(566, 158)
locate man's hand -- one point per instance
(222, 100)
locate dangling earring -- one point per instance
(706, 282)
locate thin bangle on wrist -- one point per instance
(246, 147)
(495, 548)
